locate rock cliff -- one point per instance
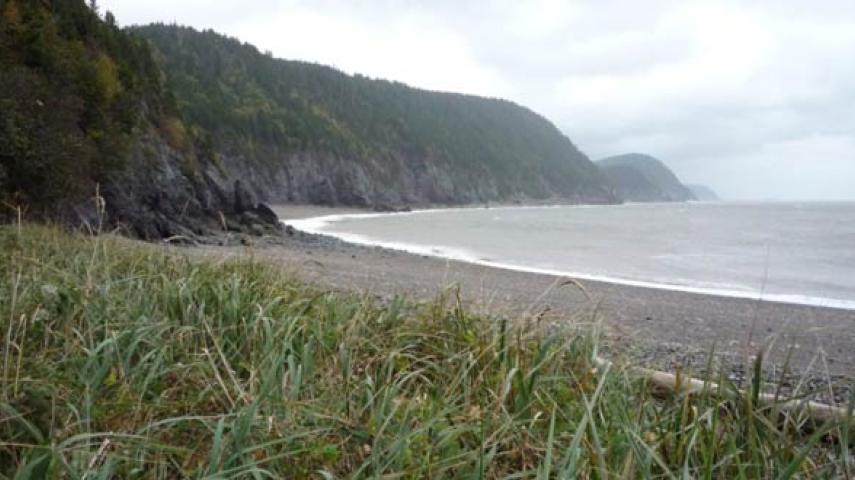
(168, 132)
(306, 133)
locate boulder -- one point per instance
(266, 214)
(243, 199)
(384, 208)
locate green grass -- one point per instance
(122, 360)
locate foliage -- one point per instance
(71, 92)
(108, 84)
(639, 177)
(253, 104)
(123, 360)
(78, 96)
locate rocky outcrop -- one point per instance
(155, 198)
(389, 184)
(91, 136)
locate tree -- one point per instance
(11, 17)
(108, 80)
(44, 154)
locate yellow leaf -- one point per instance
(112, 378)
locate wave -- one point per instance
(317, 225)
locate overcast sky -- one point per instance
(755, 99)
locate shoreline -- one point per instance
(661, 329)
(315, 225)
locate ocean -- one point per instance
(781, 252)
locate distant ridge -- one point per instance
(704, 193)
(637, 177)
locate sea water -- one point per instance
(784, 252)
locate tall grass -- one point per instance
(120, 360)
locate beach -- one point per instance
(660, 328)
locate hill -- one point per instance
(704, 193)
(641, 178)
(300, 132)
(184, 140)
(91, 135)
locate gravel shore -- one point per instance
(657, 328)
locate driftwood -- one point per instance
(663, 383)
(816, 414)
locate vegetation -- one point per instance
(124, 360)
(71, 91)
(703, 193)
(91, 135)
(642, 178)
(86, 107)
(252, 104)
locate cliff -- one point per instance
(90, 134)
(641, 178)
(300, 132)
(167, 132)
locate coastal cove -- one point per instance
(670, 246)
(426, 240)
(665, 329)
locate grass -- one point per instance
(122, 360)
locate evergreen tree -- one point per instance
(255, 105)
(70, 91)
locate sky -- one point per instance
(755, 99)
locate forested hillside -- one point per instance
(641, 178)
(302, 132)
(70, 90)
(90, 134)
(183, 140)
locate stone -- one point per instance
(243, 199)
(266, 214)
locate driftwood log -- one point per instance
(815, 413)
(662, 383)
